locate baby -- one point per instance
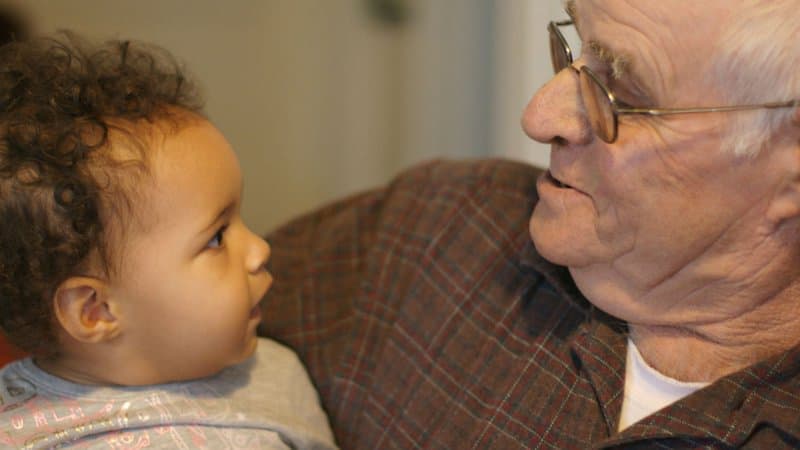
(125, 267)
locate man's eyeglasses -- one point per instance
(603, 108)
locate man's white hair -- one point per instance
(758, 61)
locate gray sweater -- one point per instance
(264, 402)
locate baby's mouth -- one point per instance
(255, 313)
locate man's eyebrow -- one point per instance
(619, 63)
(569, 8)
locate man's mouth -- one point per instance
(557, 182)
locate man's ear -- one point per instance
(786, 205)
(83, 309)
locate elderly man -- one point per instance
(652, 299)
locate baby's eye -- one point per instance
(216, 241)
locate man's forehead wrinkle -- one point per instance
(627, 36)
(665, 35)
(658, 61)
(617, 60)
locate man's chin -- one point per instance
(564, 243)
(564, 252)
(547, 243)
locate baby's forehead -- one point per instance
(133, 148)
(126, 169)
(185, 153)
(142, 138)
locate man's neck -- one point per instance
(704, 353)
(735, 304)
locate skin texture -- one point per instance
(692, 245)
(184, 304)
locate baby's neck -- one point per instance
(74, 373)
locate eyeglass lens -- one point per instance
(598, 107)
(560, 56)
(595, 98)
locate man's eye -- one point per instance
(216, 241)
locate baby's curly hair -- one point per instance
(62, 101)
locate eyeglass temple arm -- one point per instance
(667, 111)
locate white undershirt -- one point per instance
(648, 390)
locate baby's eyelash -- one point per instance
(216, 240)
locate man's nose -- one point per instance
(556, 114)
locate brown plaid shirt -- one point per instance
(427, 320)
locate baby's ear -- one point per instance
(82, 308)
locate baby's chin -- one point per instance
(244, 355)
(252, 347)
(248, 351)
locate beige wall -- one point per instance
(320, 100)
(521, 63)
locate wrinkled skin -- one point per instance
(663, 228)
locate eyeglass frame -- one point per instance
(619, 107)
